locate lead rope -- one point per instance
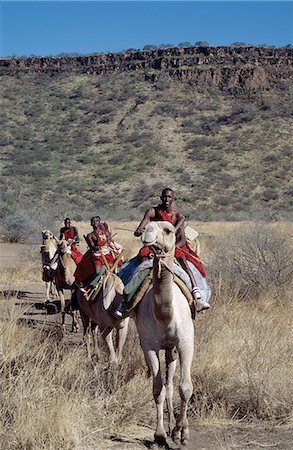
(160, 257)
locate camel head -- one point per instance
(159, 235)
(63, 247)
(47, 234)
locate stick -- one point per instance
(117, 261)
(179, 224)
(105, 262)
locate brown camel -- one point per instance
(164, 322)
(100, 311)
(64, 278)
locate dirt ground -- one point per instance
(210, 437)
(217, 436)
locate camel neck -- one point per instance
(162, 289)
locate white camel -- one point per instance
(48, 251)
(164, 322)
(100, 311)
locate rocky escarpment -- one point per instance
(246, 68)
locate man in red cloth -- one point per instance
(102, 249)
(70, 234)
(183, 253)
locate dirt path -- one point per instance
(207, 437)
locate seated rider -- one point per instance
(70, 234)
(183, 253)
(102, 250)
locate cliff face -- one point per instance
(246, 68)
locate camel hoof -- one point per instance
(185, 442)
(161, 441)
(175, 437)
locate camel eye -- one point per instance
(167, 231)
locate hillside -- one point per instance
(105, 133)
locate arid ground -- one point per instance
(52, 397)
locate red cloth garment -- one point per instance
(69, 234)
(88, 264)
(161, 214)
(76, 255)
(190, 255)
(180, 252)
(101, 235)
(85, 267)
(185, 251)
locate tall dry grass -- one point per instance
(52, 397)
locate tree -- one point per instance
(238, 44)
(202, 43)
(166, 45)
(150, 47)
(185, 44)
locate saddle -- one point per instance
(147, 284)
(97, 284)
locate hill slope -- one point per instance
(82, 136)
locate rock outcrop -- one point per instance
(246, 68)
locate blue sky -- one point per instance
(52, 27)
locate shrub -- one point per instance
(16, 227)
(254, 258)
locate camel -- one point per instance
(64, 279)
(164, 322)
(100, 311)
(48, 251)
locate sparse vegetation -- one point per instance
(68, 136)
(241, 373)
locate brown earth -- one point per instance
(204, 436)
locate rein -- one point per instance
(160, 256)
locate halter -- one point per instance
(160, 255)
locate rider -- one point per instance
(183, 253)
(102, 250)
(70, 234)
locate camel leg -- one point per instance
(159, 393)
(170, 372)
(62, 308)
(73, 313)
(94, 330)
(109, 342)
(181, 430)
(48, 287)
(86, 332)
(75, 325)
(121, 335)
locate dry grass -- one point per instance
(52, 397)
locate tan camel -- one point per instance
(100, 311)
(64, 278)
(48, 251)
(164, 322)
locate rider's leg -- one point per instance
(200, 302)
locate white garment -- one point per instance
(201, 282)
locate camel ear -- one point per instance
(179, 224)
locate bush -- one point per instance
(255, 258)
(16, 227)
